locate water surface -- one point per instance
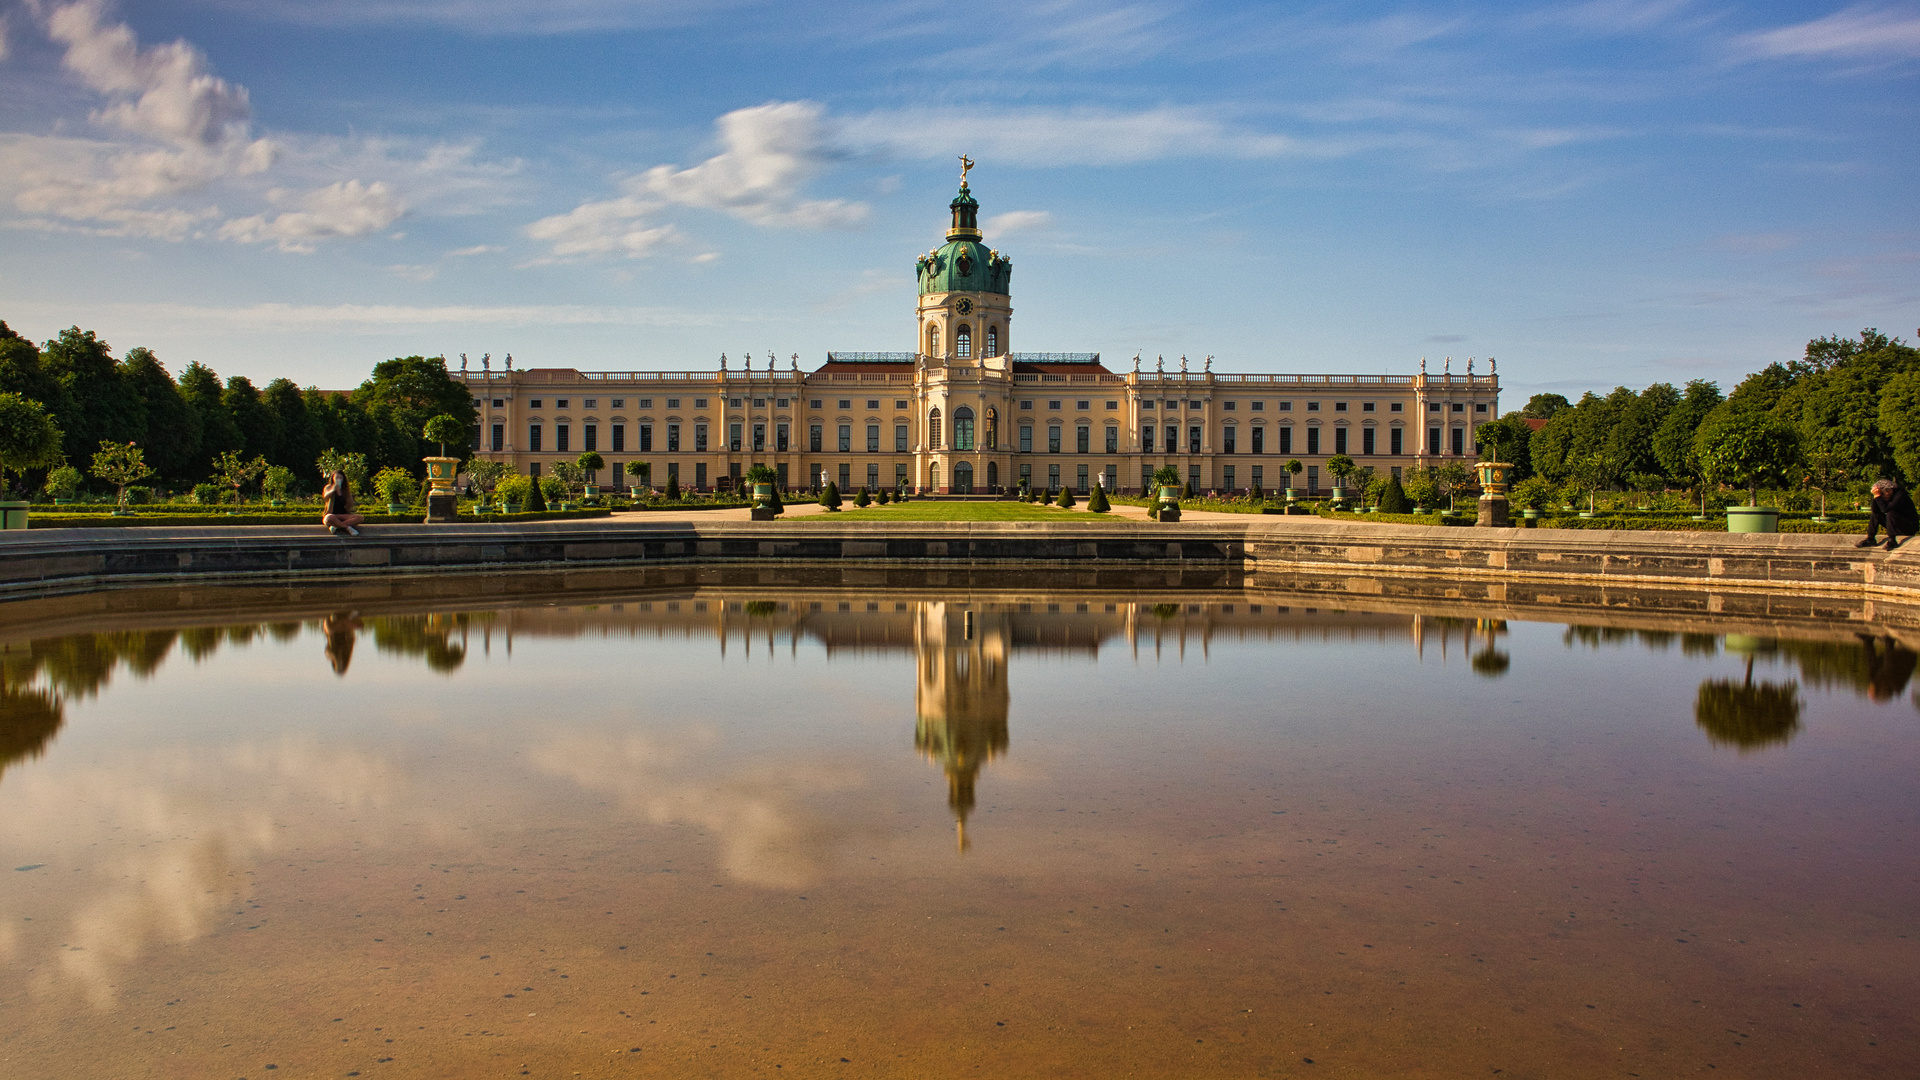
(815, 828)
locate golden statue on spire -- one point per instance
(966, 165)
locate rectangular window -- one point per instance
(673, 438)
(619, 438)
(1259, 443)
(1026, 438)
(873, 438)
(673, 403)
(1196, 404)
(1082, 439)
(1286, 439)
(1053, 478)
(592, 432)
(533, 469)
(1193, 439)
(1433, 440)
(1026, 475)
(700, 439)
(1313, 478)
(1433, 406)
(1459, 441)
(1286, 406)
(1053, 438)
(846, 438)
(1366, 440)
(590, 403)
(1113, 406)
(1146, 479)
(1366, 406)
(1193, 477)
(733, 437)
(619, 403)
(499, 437)
(1259, 478)
(1395, 407)
(1396, 441)
(1082, 405)
(899, 476)
(1258, 406)
(1053, 406)
(1339, 406)
(733, 403)
(561, 438)
(814, 403)
(873, 404)
(1229, 439)
(1113, 439)
(1313, 406)
(646, 437)
(782, 437)
(813, 437)
(1026, 406)
(1146, 406)
(700, 475)
(644, 403)
(899, 404)
(499, 403)
(759, 437)
(1480, 407)
(533, 438)
(846, 403)
(899, 438)
(1146, 439)
(1459, 407)
(1313, 441)
(1173, 439)
(1229, 405)
(1339, 440)
(560, 403)
(846, 477)
(1396, 473)
(699, 403)
(533, 404)
(619, 475)
(673, 470)
(780, 470)
(1082, 477)
(873, 476)
(1226, 477)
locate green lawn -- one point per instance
(954, 511)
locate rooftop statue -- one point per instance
(1209, 365)
(463, 363)
(966, 166)
(509, 361)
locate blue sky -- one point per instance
(1621, 191)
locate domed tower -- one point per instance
(965, 306)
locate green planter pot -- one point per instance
(276, 502)
(63, 502)
(1753, 519)
(13, 515)
(396, 508)
(1293, 494)
(512, 507)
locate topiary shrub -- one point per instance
(536, 497)
(862, 499)
(1065, 500)
(207, 494)
(830, 497)
(63, 482)
(1394, 499)
(1098, 504)
(882, 497)
(673, 487)
(517, 490)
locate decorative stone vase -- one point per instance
(13, 515)
(1169, 502)
(1493, 476)
(440, 472)
(592, 491)
(1339, 493)
(1530, 514)
(1753, 519)
(1293, 494)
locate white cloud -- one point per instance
(1052, 137)
(164, 91)
(1014, 221)
(477, 249)
(612, 227)
(346, 208)
(1858, 33)
(769, 151)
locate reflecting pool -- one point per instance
(630, 825)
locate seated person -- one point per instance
(337, 512)
(1893, 509)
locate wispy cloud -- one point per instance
(347, 208)
(496, 16)
(1018, 221)
(277, 318)
(1857, 33)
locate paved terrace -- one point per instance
(1461, 561)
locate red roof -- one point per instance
(1062, 368)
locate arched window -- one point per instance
(963, 428)
(993, 429)
(963, 341)
(933, 429)
(993, 341)
(933, 340)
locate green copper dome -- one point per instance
(963, 263)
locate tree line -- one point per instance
(183, 423)
(1846, 412)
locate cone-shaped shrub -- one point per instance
(537, 500)
(883, 498)
(830, 497)
(862, 499)
(1394, 500)
(1066, 497)
(1098, 502)
(673, 487)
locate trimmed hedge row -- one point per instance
(104, 521)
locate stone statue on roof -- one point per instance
(723, 361)
(1160, 363)
(1446, 366)
(509, 361)
(463, 363)
(486, 363)
(796, 361)
(1136, 363)
(1209, 365)
(1469, 367)
(1493, 366)
(1423, 365)
(1183, 363)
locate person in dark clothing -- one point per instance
(338, 512)
(1892, 510)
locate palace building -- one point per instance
(964, 413)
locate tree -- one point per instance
(1900, 419)
(1595, 471)
(120, 464)
(200, 386)
(172, 437)
(643, 470)
(1746, 448)
(354, 466)
(444, 429)
(276, 482)
(570, 476)
(1673, 442)
(1507, 440)
(29, 439)
(397, 486)
(488, 474)
(1544, 406)
(237, 472)
(412, 390)
(1394, 499)
(1422, 489)
(23, 371)
(536, 497)
(261, 432)
(100, 406)
(1452, 477)
(1826, 470)
(300, 435)
(1340, 466)
(590, 463)
(1294, 468)
(1065, 499)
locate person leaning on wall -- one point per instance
(1892, 509)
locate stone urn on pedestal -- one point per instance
(1494, 511)
(1169, 502)
(443, 503)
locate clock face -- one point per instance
(965, 306)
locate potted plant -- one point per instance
(514, 492)
(1339, 466)
(28, 440)
(644, 486)
(1294, 469)
(553, 492)
(486, 476)
(1593, 472)
(1167, 481)
(1421, 489)
(1452, 477)
(1747, 448)
(275, 483)
(63, 485)
(766, 501)
(566, 476)
(589, 463)
(443, 429)
(1532, 495)
(397, 486)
